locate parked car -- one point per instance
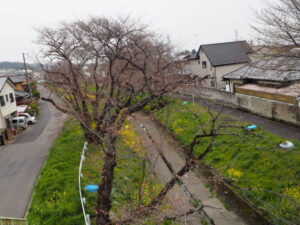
(30, 119)
(20, 122)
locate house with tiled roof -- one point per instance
(216, 60)
(276, 79)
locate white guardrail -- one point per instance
(83, 200)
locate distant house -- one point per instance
(276, 79)
(20, 82)
(216, 60)
(22, 97)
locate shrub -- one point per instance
(34, 108)
(256, 163)
(33, 86)
(36, 94)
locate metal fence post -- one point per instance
(80, 175)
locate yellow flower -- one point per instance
(130, 138)
(234, 173)
(292, 192)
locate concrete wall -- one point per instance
(233, 83)
(276, 110)
(271, 109)
(209, 93)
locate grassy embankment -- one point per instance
(56, 197)
(251, 162)
(129, 176)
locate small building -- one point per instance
(275, 79)
(22, 97)
(215, 60)
(20, 82)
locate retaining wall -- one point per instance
(282, 111)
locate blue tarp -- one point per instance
(251, 127)
(91, 188)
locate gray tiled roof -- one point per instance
(227, 53)
(277, 69)
(2, 82)
(21, 94)
(18, 78)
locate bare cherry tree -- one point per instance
(278, 27)
(105, 70)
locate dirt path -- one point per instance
(149, 133)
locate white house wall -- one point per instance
(192, 67)
(9, 107)
(209, 70)
(223, 70)
(2, 123)
(215, 73)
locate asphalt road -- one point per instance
(279, 128)
(20, 162)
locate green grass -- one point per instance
(55, 199)
(128, 176)
(249, 161)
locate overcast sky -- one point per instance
(188, 22)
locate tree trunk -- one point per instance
(87, 134)
(104, 191)
(90, 136)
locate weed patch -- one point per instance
(255, 164)
(55, 199)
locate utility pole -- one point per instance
(26, 75)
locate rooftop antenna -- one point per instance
(236, 33)
(196, 37)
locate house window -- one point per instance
(212, 83)
(11, 96)
(6, 96)
(204, 65)
(2, 102)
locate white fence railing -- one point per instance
(83, 200)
